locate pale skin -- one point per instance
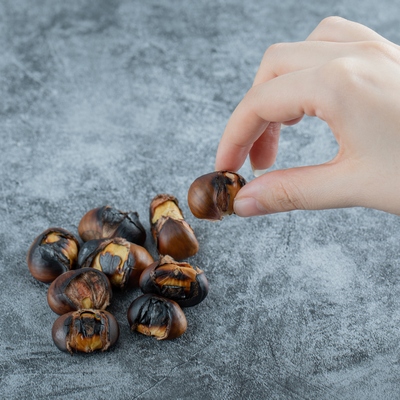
(348, 76)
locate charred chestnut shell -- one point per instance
(172, 234)
(178, 281)
(85, 331)
(79, 289)
(52, 253)
(156, 316)
(211, 196)
(120, 260)
(108, 222)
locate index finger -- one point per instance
(281, 99)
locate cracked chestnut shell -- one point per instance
(171, 233)
(107, 222)
(79, 289)
(120, 260)
(85, 331)
(52, 253)
(156, 316)
(211, 195)
(178, 281)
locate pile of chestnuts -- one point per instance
(109, 254)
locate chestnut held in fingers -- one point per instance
(177, 281)
(108, 222)
(53, 252)
(156, 316)
(211, 196)
(120, 260)
(78, 289)
(172, 234)
(85, 331)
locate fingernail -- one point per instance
(259, 172)
(248, 207)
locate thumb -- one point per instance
(330, 185)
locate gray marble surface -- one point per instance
(112, 102)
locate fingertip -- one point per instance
(230, 158)
(248, 207)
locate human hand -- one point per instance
(348, 76)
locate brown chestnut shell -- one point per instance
(156, 316)
(107, 222)
(122, 261)
(85, 331)
(211, 195)
(172, 234)
(178, 281)
(52, 253)
(79, 289)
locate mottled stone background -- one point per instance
(112, 102)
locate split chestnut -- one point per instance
(108, 222)
(78, 289)
(52, 253)
(156, 316)
(85, 331)
(211, 196)
(120, 260)
(171, 233)
(178, 281)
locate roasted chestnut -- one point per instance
(78, 289)
(120, 260)
(108, 222)
(53, 252)
(156, 316)
(211, 196)
(85, 331)
(172, 234)
(178, 281)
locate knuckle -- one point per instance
(273, 50)
(327, 27)
(331, 22)
(273, 57)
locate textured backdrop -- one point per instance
(112, 102)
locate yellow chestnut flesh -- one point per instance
(120, 260)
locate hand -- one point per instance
(348, 76)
